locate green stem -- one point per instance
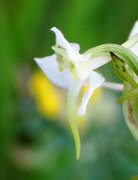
(123, 53)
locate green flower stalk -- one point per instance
(70, 69)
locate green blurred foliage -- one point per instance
(32, 147)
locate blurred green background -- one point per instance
(35, 142)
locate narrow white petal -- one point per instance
(60, 39)
(95, 81)
(100, 61)
(134, 30)
(49, 66)
(113, 86)
(134, 49)
(132, 43)
(72, 51)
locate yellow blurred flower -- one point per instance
(46, 95)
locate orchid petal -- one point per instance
(134, 49)
(72, 52)
(60, 39)
(49, 66)
(100, 61)
(132, 44)
(95, 81)
(134, 30)
(76, 46)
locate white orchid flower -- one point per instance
(70, 69)
(67, 65)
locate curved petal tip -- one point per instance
(134, 30)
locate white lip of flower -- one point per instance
(79, 69)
